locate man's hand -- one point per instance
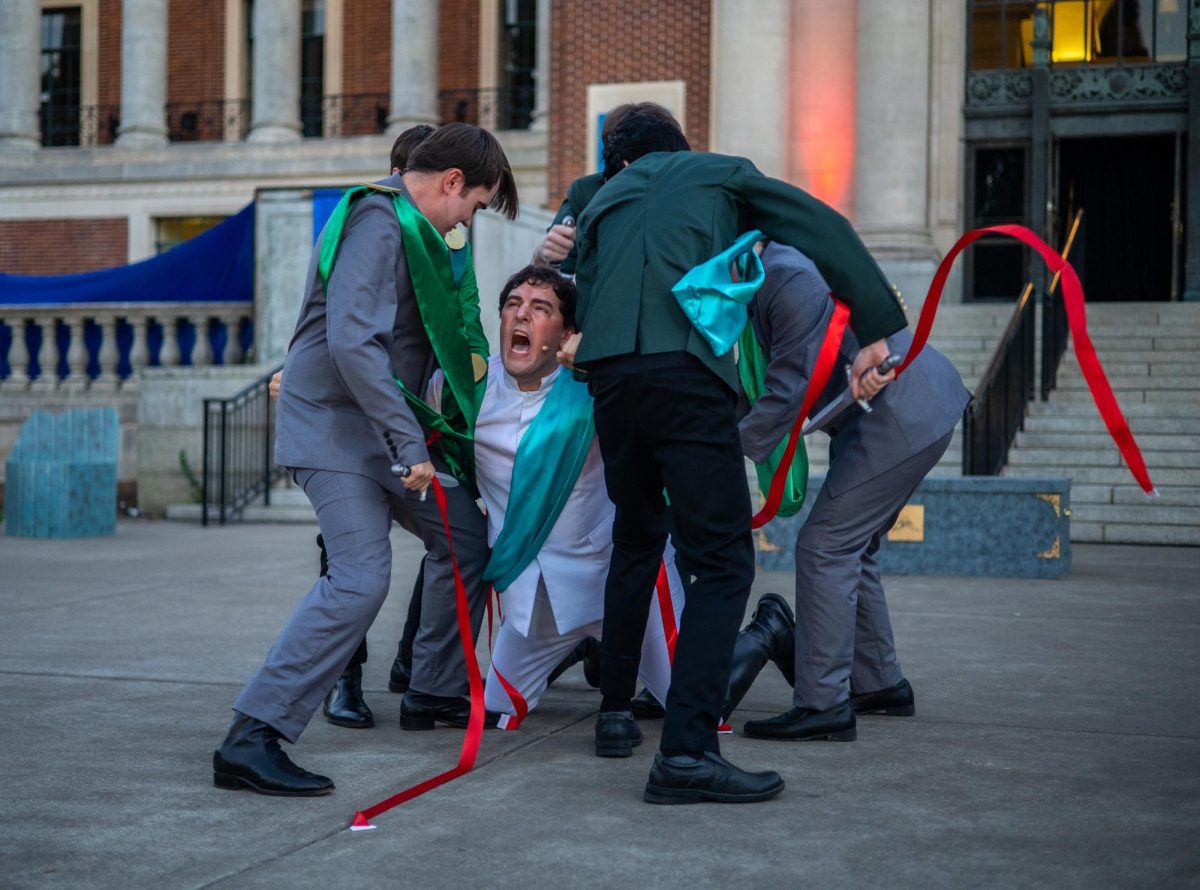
(419, 476)
(865, 381)
(566, 355)
(273, 386)
(555, 246)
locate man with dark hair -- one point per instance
(535, 449)
(557, 248)
(665, 416)
(405, 143)
(382, 307)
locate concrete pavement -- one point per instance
(1056, 742)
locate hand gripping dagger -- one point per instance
(838, 406)
(402, 471)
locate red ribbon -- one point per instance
(667, 608)
(1089, 363)
(470, 748)
(518, 701)
(822, 370)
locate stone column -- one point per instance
(20, 46)
(891, 156)
(414, 64)
(750, 82)
(541, 72)
(143, 74)
(18, 355)
(276, 113)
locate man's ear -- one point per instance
(452, 181)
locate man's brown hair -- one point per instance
(613, 119)
(406, 142)
(475, 152)
(540, 276)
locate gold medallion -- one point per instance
(479, 364)
(455, 239)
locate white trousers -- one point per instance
(526, 661)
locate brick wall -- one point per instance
(367, 50)
(630, 40)
(458, 45)
(195, 50)
(108, 94)
(62, 246)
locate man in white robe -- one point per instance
(557, 599)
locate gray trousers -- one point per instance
(355, 514)
(843, 632)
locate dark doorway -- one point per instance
(1125, 187)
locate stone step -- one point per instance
(1131, 396)
(1120, 382)
(1173, 496)
(1085, 407)
(1077, 439)
(1097, 457)
(1125, 533)
(1171, 476)
(1151, 513)
(1139, 363)
(1092, 423)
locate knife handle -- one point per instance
(883, 367)
(401, 471)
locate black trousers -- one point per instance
(666, 421)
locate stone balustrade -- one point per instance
(104, 346)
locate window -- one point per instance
(1082, 32)
(518, 55)
(997, 265)
(173, 230)
(61, 64)
(312, 66)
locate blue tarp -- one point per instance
(215, 266)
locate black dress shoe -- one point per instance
(401, 673)
(420, 711)
(250, 757)
(803, 724)
(617, 734)
(770, 636)
(675, 780)
(895, 701)
(344, 705)
(585, 649)
(646, 707)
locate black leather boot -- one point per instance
(401, 673)
(586, 649)
(250, 757)
(770, 636)
(344, 705)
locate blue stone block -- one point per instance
(61, 477)
(974, 525)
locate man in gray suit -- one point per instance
(342, 424)
(845, 655)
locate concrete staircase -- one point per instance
(1149, 353)
(289, 505)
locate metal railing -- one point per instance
(350, 114)
(997, 412)
(74, 125)
(208, 121)
(238, 436)
(1054, 319)
(496, 109)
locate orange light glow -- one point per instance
(821, 127)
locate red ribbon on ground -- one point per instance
(822, 370)
(1089, 362)
(470, 748)
(667, 608)
(512, 721)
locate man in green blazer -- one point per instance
(665, 415)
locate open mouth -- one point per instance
(519, 343)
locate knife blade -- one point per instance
(402, 471)
(834, 410)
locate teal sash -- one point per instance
(548, 463)
(714, 303)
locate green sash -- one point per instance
(548, 463)
(751, 367)
(440, 296)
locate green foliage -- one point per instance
(194, 487)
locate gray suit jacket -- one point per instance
(338, 407)
(790, 313)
